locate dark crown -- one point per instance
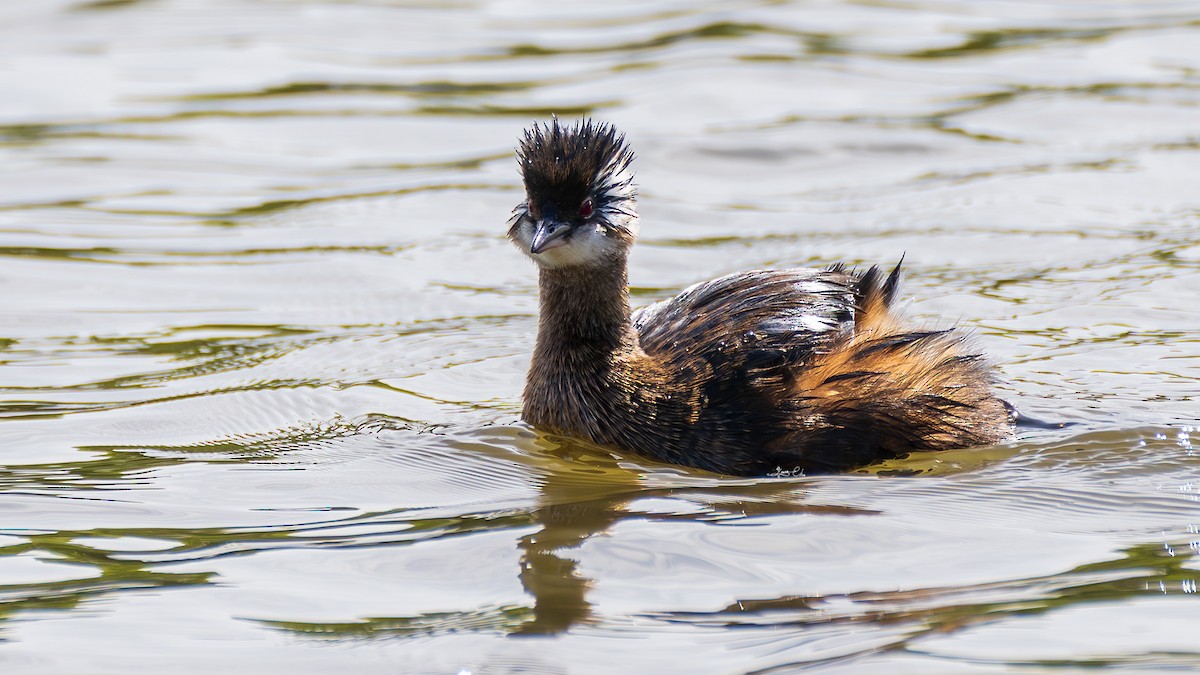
(565, 165)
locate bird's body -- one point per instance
(796, 369)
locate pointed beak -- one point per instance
(549, 234)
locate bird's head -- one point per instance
(580, 199)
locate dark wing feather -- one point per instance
(738, 341)
(749, 320)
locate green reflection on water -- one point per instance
(93, 5)
(995, 40)
(1143, 570)
(17, 135)
(814, 43)
(419, 89)
(722, 30)
(503, 619)
(112, 574)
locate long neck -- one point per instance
(584, 317)
(589, 377)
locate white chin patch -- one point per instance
(587, 246)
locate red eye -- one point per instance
(586, 208)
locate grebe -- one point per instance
(795, 369)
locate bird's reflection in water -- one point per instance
(581, 494)
(571, 511)
(549, 574)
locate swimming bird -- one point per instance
(790, 370)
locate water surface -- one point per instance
(263, 340)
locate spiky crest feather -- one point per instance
(562, 166)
